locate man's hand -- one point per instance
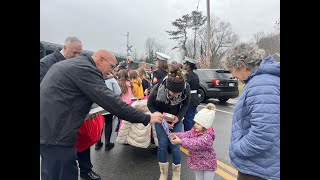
(156, 117)
(175, 139)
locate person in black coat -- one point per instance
(192, 78)
(72, 48)
(172, 95)
(67, 93)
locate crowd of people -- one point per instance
(68, 88)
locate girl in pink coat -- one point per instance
(199, 142)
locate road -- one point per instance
(126, 162)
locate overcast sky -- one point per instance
(105, 23)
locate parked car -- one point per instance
(217, 84)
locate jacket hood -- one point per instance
(267, 66)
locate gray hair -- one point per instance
(72, 39)
(250, 54)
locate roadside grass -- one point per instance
(240, 87)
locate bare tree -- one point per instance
(134, 55)
(271, 42)
(191, 51)
(150, 49)
(159, 48)
(258, 36)
(222, 37)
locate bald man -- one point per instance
(67, 92)
(72, 47)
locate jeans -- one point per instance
(164, 142)
(188, 121)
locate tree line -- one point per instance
(190, 34)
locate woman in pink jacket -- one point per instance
(199, 142)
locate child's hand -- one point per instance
(175, 139)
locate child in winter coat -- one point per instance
(137, 84)
(127, 90)
(199, 142)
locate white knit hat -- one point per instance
(206, 116)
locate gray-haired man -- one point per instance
(72, 48)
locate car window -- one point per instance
(224, 75)
(208, 74)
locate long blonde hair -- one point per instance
(123, 77)
(133, 75)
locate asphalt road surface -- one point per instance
(125, 162)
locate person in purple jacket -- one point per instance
(199, 142)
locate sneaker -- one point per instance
(108, 146)
(98, 145)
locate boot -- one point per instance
(163, 170)
(176, 171)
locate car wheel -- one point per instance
(223, 100)
(202, 95)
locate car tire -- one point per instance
(202, 95)
(223, 100)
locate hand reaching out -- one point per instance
(175, 139)
(156, 117)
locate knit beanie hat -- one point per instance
(206, 116)
(175, 87)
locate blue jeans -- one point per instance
(164, 142)
(188, 121)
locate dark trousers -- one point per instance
(107, 128)
(188, 121)
(242, 176)
(84, 161)
(58, 162)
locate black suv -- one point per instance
(217, 84)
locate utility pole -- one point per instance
(208, 63)
(128, 47)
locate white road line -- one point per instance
(217, 109)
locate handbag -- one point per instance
(90, 132)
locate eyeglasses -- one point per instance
(111, 65)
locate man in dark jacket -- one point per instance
(72, 47)
(67, 93)
(192, 78)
